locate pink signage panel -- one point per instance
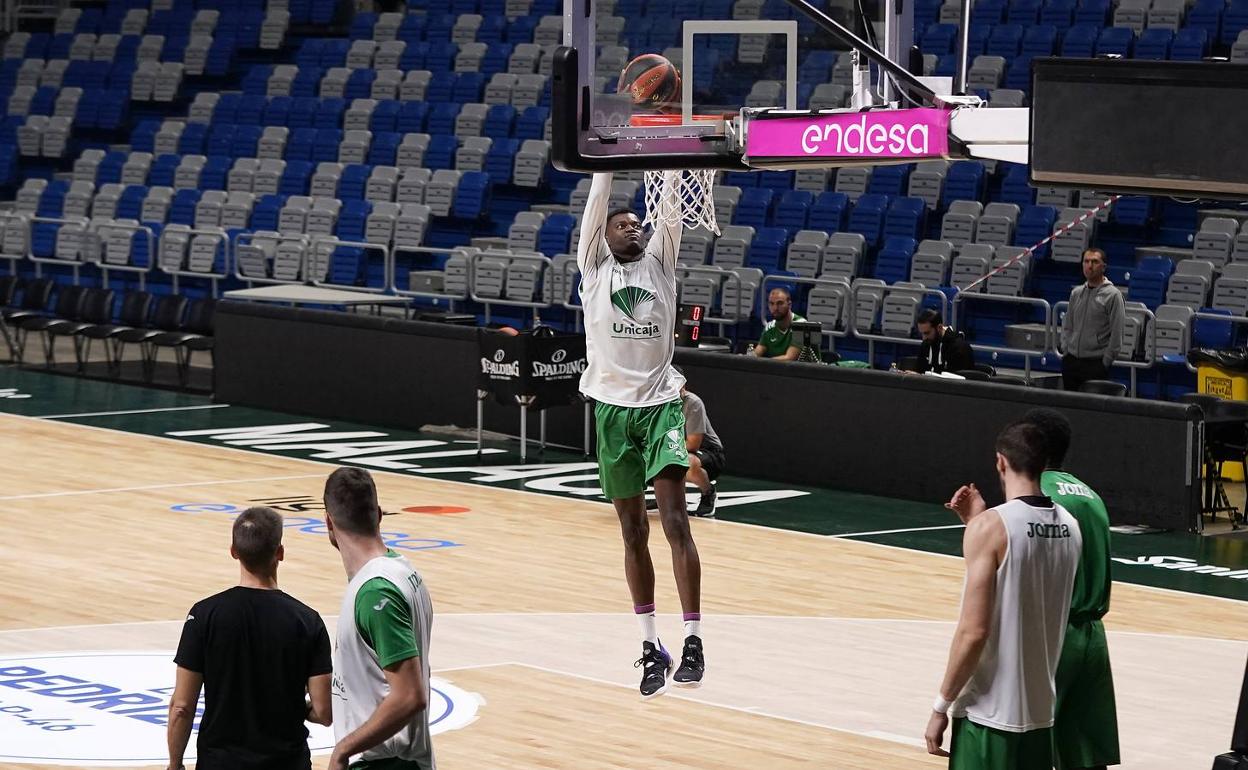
(916, 133)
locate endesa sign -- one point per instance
(883, 134)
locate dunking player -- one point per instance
(628, 289)
(1085, 728)
(1021, 559)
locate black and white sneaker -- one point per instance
(691, 664)
(706, 506)
(656, 665)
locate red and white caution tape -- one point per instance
(1084, 217)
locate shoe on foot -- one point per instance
(706, 506)
(691, 664)
(656, 665)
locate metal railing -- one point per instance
(1149, 328)
(180, 272)
(885, 291)
(99, 253)
(451, 298)
(245, 242)
(474, 260)
(1005, 299)
(842, 287)
(83, 224)
(9, 219)
(719, 278)
(322, 247)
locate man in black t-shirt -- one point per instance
(256, 652)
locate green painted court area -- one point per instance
(1213, 565)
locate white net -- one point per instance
(681, 195)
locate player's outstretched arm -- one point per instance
(665, 243)
(589, 251)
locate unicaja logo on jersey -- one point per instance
(630, 300)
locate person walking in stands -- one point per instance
(1093, 326)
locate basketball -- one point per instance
(652, 80)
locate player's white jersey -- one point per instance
(630, 312)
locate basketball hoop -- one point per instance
(679, 195)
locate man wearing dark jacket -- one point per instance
(943, 349)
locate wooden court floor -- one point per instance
(822, 652)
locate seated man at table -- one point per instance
(777, 340)
(943, 348)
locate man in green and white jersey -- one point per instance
(628, 290)
(776, 341)
(1085, 731)
(381, 653)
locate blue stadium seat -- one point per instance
(754, 207)
(360, 84)
(1035, 223)
(385, 116)
(1154, 43)
(1005, 40)
(1206, 15)
(411, 118)
(384, 149)
(1094, 12)
(1115, 40)
(441, 151)
(829, 211)
(277, 111)
(299, 144)
(246, 141)
(216, 172)
(890, 180)
(1024, 12)
(191, 141)
(325, 149)
(143, 137)
(1191, 44)
(109, 170)
(500, 161)
(440, 57)
(182, 209)
(441, 86)
(164, 169)
(354, 180)
(892, 264)
(297, 177)
(767, 249)
(939, 39)
(265, 212)
(965, 180)
(442, 117)
(353, 219)
(220, 140)
(1212, 333)
(1148, 286)
(1059, 13)
(793, 210)
(1133, 210)
(307, 82)
(469, 87)
(499, 121)
(130, 204)
(1039, 40)
(362, 26)
(251, 110)
(472, 196)
(906, 218)
(777, 181)
(555, 234)
(1080, 41)
(329, 113)
(1234, 21)
(1014, 187)
(1018, 75)
(867, 218)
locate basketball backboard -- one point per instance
(756, 92)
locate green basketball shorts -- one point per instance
(975, 747)
(635, 443)
(1085, 730)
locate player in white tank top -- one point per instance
(1021, 559)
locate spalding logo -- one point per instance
(558, 355)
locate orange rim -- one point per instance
(667, 120)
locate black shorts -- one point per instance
(712, 461)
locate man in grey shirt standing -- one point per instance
(1092, 328)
